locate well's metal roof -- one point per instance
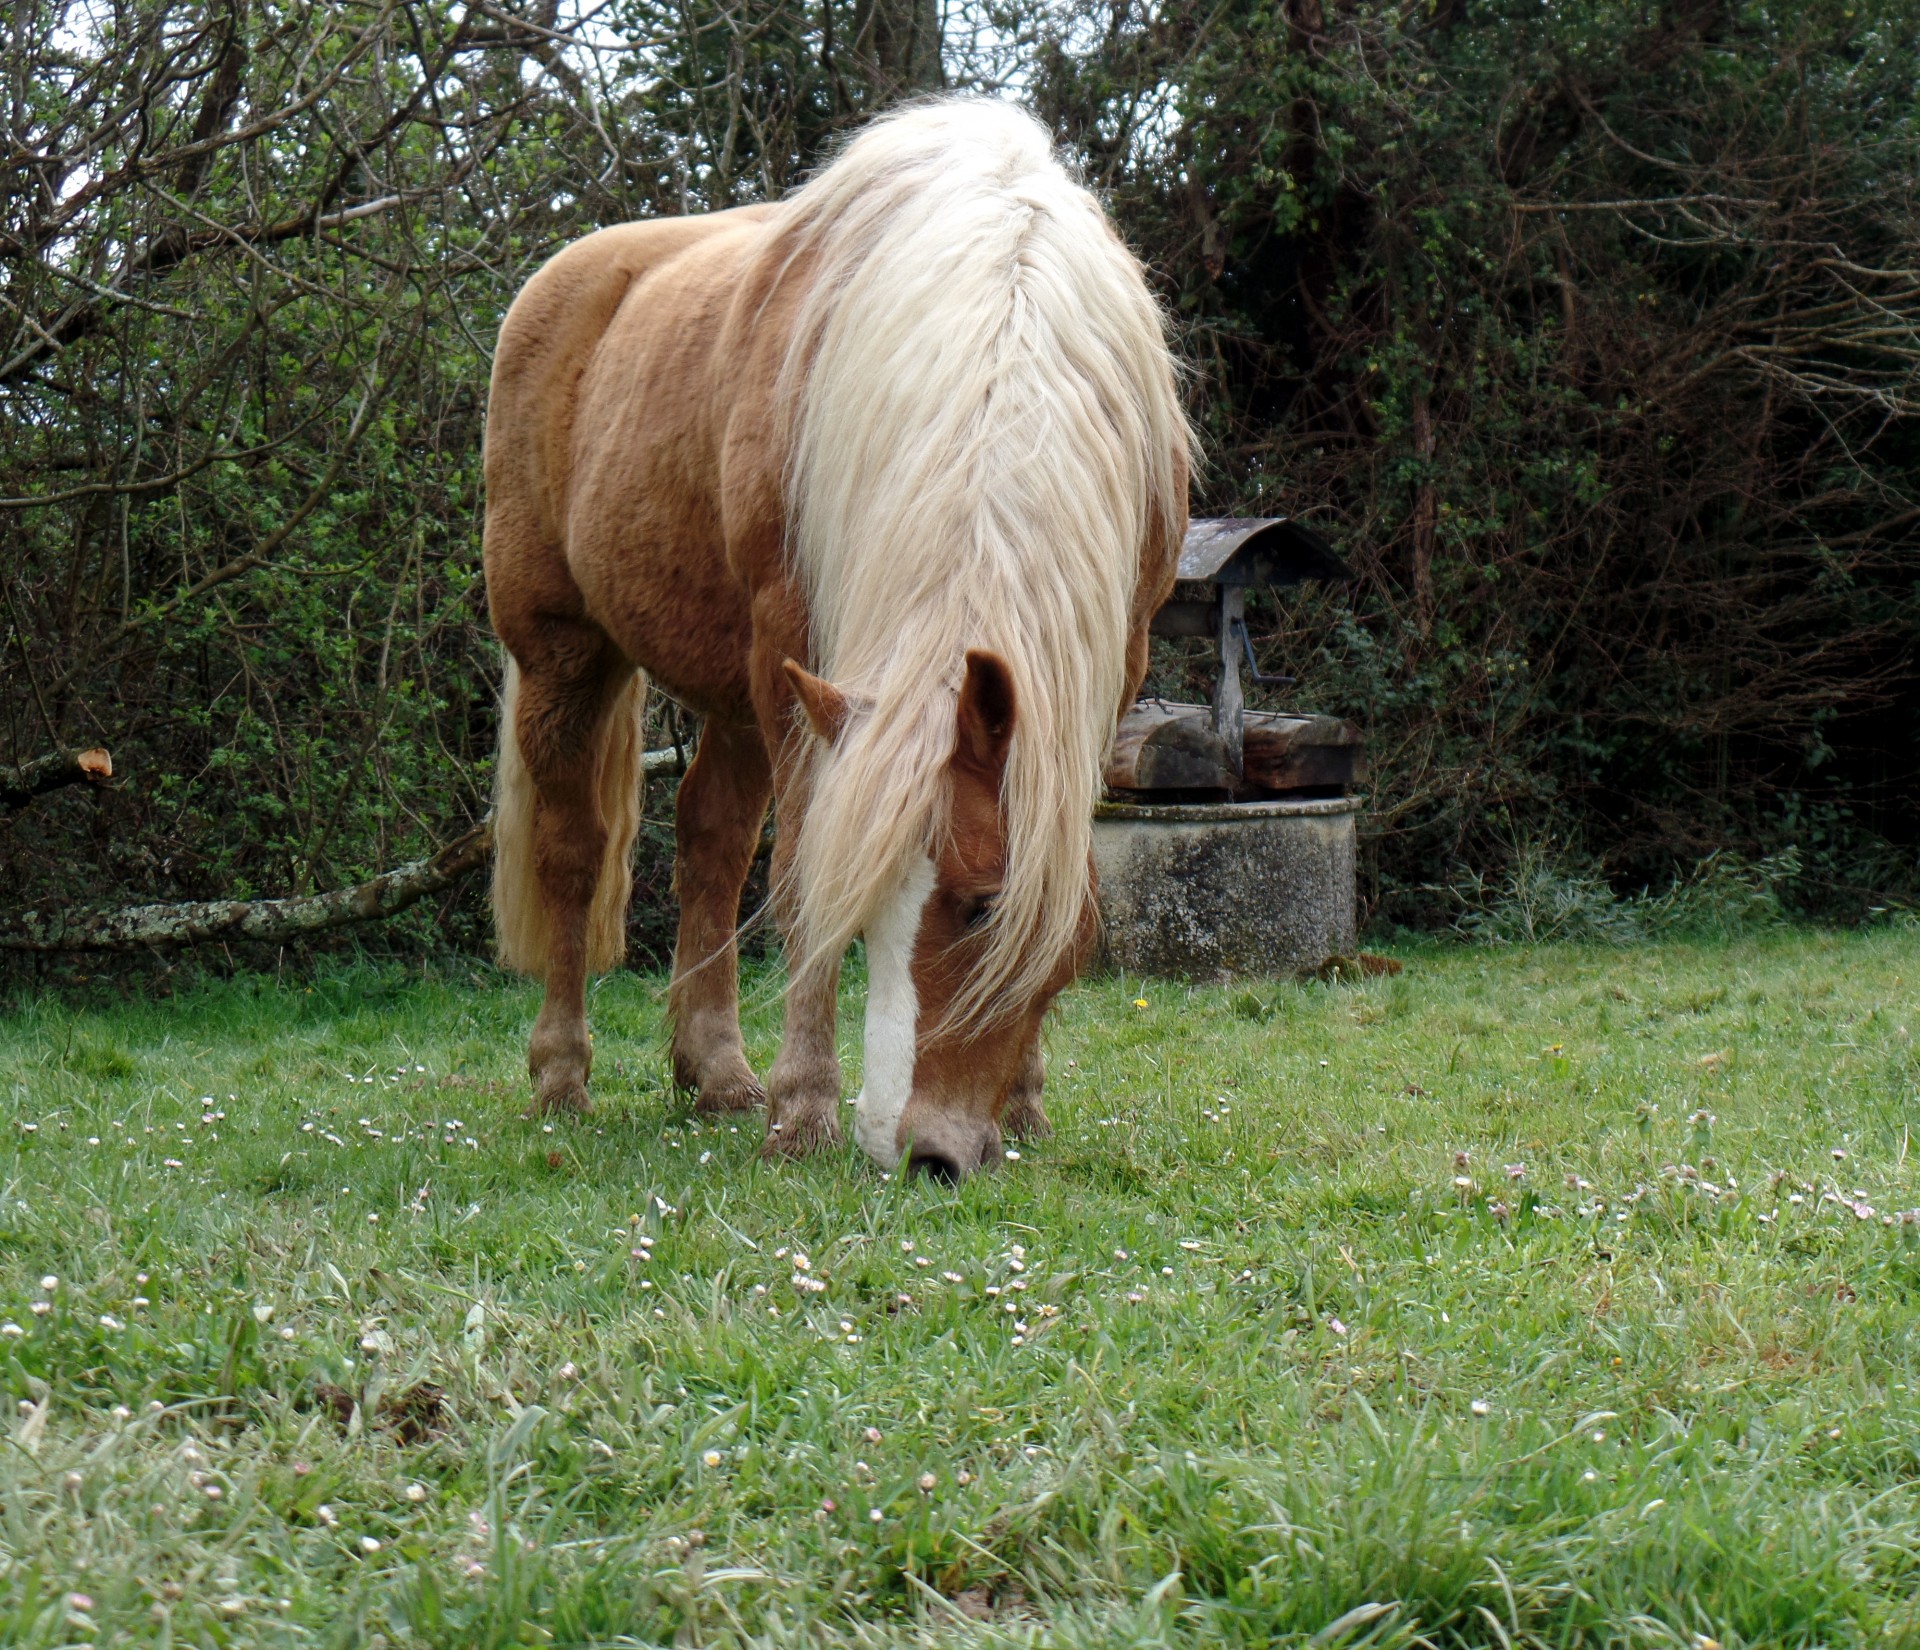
(1263, 550)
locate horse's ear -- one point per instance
(986, 714)
(826, 706)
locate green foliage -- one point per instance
(1724, 897)
(1540, 897)
(1545, 894)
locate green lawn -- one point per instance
(1555, 1296)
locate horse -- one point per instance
(884, 480)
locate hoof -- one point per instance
(560, 1096)
(800, 1136)
(733, 1087)
(724, 1091)
(803, 1107)
(560, 1060)
(1023, 1117)
(725, 1097)
(1025, 1120)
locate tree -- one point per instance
(1590, 331)
(897, 45)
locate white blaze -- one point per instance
(893, 1012)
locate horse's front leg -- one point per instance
(803, 1089)
(723, 800)
(1022, 1117)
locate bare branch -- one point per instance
(262, 553)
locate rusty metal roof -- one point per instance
(1258, 550)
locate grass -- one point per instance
(1548, 1296)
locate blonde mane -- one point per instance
(988, 435)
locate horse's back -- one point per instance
(560, 320)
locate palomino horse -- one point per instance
(884, 481)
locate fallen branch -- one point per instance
(264, 919)
(1636, 205)
(19, 786)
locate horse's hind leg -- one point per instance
(723, 800)
(571, 693)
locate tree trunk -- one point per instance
(897, 46)
(1426, 516)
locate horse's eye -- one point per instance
(977, 911)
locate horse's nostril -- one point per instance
(935, 1166)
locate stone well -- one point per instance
(1225, 890)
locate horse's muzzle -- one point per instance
(948, 1149)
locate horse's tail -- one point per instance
(523, 934)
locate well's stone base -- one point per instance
(1227, 890)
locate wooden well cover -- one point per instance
(1164, 747)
